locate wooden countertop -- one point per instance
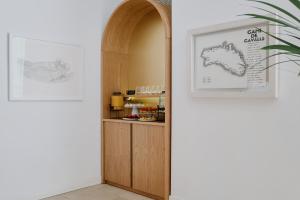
(134, 122)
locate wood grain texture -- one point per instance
(116, 42)
(114, 77)
(115, 60)
(117, 153)
(119, 29)
(148, 159)
(168, 120)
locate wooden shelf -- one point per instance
(146, 96)
(134, 122)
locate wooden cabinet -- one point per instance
(135, 156)
(117, 153)
(148, 159)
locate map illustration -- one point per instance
(227, 56)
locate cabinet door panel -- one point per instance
(117, 153)
(148, 159)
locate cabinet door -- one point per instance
(148, 159)
(117, 153)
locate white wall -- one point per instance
(231, 149)
(222, 149)
(51, 147)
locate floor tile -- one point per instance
(59, 197)
(99, 192)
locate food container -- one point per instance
(148, 114)
(117, 101)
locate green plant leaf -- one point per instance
(286, 24)
(294, 62)
(286, 61)
(296, 3)
(279, 9)
(296, 37)
(292, 33)
(290, 25)
(270, 56)
(277, 25)
(274, 14)
(283, 48)
(281, 40)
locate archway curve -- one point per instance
(118, 31)
(116, 41)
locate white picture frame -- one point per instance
(41, 70)
(201, 85)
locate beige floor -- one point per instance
(99, 192)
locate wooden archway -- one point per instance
(115, 55)
(123, 21)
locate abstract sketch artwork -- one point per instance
(41, 70)
(49, 72)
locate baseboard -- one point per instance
(172, 197)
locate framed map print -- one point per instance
(44, 71)
(227, 60)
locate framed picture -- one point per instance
(44, 71)
(226, 60)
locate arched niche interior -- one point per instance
(136, 51)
